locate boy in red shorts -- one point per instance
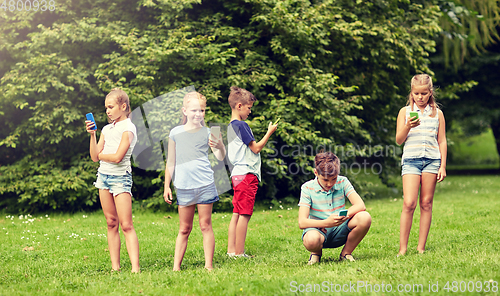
(244, 155)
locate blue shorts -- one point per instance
(116, 184)
(334, 237)
(417, 166)
(202, 195)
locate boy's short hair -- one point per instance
(240, 95)
(327, 164)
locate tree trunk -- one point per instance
(495, 127)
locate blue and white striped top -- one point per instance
(422, 140)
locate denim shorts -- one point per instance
(334, 237)
(417, 166)
(202, 195)
(116, 184)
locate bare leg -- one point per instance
(231, 233)
(426, 198)
(411, 184)
(205, 215)
(241, 233)
(313, 241)
(123, 204)
(359, 225)
(109, 210)
(186, 215)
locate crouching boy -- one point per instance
(321, 200)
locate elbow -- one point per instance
(301, 224)
(399, 141)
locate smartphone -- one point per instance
(413, 114)
(90, 117)
(343, 213)
(277, 120)
(215, 130)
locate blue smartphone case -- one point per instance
(343, 213)
(90, 117)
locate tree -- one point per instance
(336, 72)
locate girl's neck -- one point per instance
(121, 118)
(192, 126)
(418, 107)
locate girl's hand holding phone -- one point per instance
(413, 122)
(90, 126)
(218, 144)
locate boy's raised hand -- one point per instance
(271, 128)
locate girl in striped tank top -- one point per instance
(424, 157)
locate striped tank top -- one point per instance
(422, 140)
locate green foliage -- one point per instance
(31, 186)
(469, 27)
(336, 72)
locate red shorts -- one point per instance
(245, 189)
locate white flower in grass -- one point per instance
(21, 217)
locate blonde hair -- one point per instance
(188, 98)
(426, 80)
(121, 97)
(240, 95)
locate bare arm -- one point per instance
(443, 146)
(357, 204)
(117, 157)
(95, 147)
(403, 128)
(169, 171)
(305, 222)
(257, 147)
(217, 147)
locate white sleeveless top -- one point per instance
(422, 140)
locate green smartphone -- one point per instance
(413, 114)
(277, 120)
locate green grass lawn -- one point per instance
(477, 152)
(67, 254)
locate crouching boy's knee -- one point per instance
(362, 219)
(313, 241)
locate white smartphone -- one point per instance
(215, 131)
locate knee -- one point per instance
(185, 229)
(409, 206)
(205, 226)
(112, 223)
(362, 220)
(312, 242)
(127, 227)
(426, 205)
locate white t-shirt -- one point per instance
(112, 134)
